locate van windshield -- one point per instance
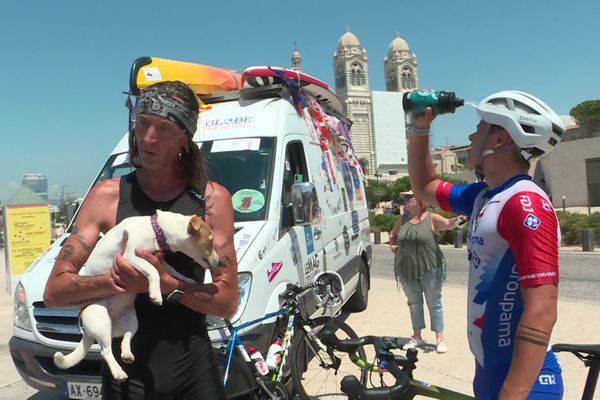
(243, 166)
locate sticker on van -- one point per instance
(220, 146)
(247, 200)
(347, 180)
(310, 244)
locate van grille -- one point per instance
(61, 324)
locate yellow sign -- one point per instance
(27, 235)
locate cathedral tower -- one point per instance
(296, 60)
(350, 65)
(400, 67)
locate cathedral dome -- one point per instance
(348, 39)
(398, 44)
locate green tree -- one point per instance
(586, 112)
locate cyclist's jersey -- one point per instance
(513, 242)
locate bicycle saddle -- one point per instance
(592, 349)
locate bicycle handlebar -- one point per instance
(350, 384)
(292, 291)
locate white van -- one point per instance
(257, 145)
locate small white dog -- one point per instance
(115, 316)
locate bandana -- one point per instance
(159, 104)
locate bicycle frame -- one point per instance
(234, 339)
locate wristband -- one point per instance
(412, 130)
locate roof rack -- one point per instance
(263, 92)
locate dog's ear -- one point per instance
(198, 227)
(195, 224)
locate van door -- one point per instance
(305, 242)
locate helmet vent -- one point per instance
(557, 130)
(552, 142)
(528, 128)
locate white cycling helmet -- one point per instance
(531, 124)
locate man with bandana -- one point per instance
(513, 241)
(174, 358)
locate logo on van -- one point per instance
(227, 123)
(275, 268)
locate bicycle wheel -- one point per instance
(317, 373)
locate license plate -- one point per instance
(85, 391)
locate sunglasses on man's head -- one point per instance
(408, 196)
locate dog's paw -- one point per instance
(158, 300)
(128, 358)
(120, 376)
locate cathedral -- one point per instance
(380, 146)
(351, 69)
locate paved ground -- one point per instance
(387, 315)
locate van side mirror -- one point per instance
(305, 204)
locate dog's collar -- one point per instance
(159, 234)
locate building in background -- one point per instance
(38, 183)
(572, 169)
(351, 70)
(296, 60)
(390, 133)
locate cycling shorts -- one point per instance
(548, 386)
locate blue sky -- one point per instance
(65, 62)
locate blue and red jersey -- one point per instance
(513, 242)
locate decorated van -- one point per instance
(277, 140)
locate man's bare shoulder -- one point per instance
(105, 191)
(100, 204)
(216, 191)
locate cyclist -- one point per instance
(513, 242)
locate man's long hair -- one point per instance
(192, 162)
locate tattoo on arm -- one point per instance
(75, 229)
(536, 330)
(84, 301)
(533, 340)
(533, 335)
(67, 252)
(83, 243)
(225, 261)
(208, 203)
(221, 246)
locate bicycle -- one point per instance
(292, 317)
(590, 355)
(400, 367)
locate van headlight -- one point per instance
(244, 284)
(21, 315)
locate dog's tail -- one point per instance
(67, 361)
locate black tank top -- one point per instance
(134, 202)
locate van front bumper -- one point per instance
(35, 364)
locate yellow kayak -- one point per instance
(203, 79)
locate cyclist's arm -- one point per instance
(530, 225)
(531, 340)
(423, 178)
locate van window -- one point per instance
(116, 166)
(294, 171)
(245, 167)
